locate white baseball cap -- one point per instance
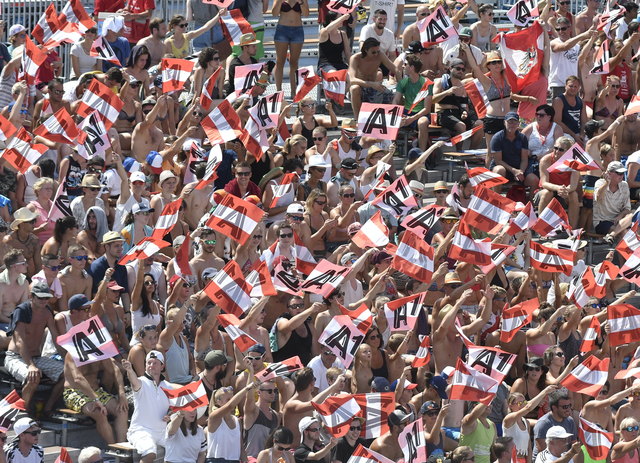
(137, 177)
(558, 432)
(154, 354)
(23, 424)
(16, 29)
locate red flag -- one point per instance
(630, 271)
(363, 454)
(175, 73)
(10, 407)
(285, 185)
(477, 95)
(590, 336)
(206, 97)
(423, 356)
(230, 290)
(588, 377)
(46, 25)
(305, 263)
(187, 398)
(602, 273)
(499, 253)
(624, 324)
(213, 162)
(376, 408)
(32, 59)
(629, 242)
(414, 257)
(181, 266)
(307, 81)
(146, 248)
(99, 97)
(470, 384)
(361, 317)
(422, 94)
(73, 12)
(485, 177)
(222, 124)
(577, 291)
(402, 314)
(463, 136)
(597, 441)
(168, 219)
(334, 84)
(101, 49)
(59, 128)
(516, 317)
(523, 53)
(380, 121)
(260, 281)
(466, 249)
(488, 211)
(64, 456)
(7, 129)
(551, 217)
(234, 25)
(279, 369)
(231, 325)
(551, 260)
(525, 219)
(373, 233)
(336, 412)
(20, 153)
(235, 218)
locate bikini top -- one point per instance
(287, 7)
(604, 112)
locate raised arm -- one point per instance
(513, 417)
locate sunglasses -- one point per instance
(54, 268)
(520, 402)
(297, 218)
(328, 352)
(320, 203)
(281, 448)
(149, 283)
(559, 354)
(93, 188)
(308, 105)
(33, 433)
(349, 195)
(197, 114)
(565, 407)
(632, 428)
(534, 369)
(355, 428)
(615, 86)
(209, 242)
(150, 327)
(187, 285)
(23, 262)
(270, 391)
(296, 306)
(559, 148)
(79, 257)
(286, 235)
(243, 174)
(254, 358)
(318, 139)
(257, 237)
(561, 29)
(145, 213)
(183, 25)
(58, 92)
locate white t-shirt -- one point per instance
(320, 371)
(110, 180)
(87, 63)
(387, 39)
(390, 6)
(185, 449)
(123, 209)
(150, 404)
(563, 64)
(611, 204)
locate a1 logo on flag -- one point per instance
(437, 27)
(88, 342)
(325, 278)
(380, 120)
(342, 338)
(523, 12)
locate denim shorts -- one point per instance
(289, 34)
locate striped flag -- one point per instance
(175, 73)
(307, 81)
(101, 49)
(61, 206)
(423, 355)
(463, 136)
(634, 106)
(64, 456)
(466, 249)
(305, 262)
(168, 219)
(334, 84)
(46, 25)
(365, 455)
(488, 211)
(629, 242)
(577, 290)
(32, 59)
(397, 198)
(590, 336)
(74, 13)
(99, 97)
(551, 260)
(421, 221)
(281, 189)
(423, 93)
(630, 271)
(187, 398)
(235, 218)
(222, 124)
(376, 408)
(470, 384)
(234, 25)
(414, 257)
(7, 129)
(603, 272)
(145, 248)
(624, 324)
(597, 440)
(525, 219)
(361, 317)
(588, 377)
(373, 233)
(516, 317)
(246, 76)
(206, 97)
(260, 281)
(551, 217)
(59, 127)
(279, 369)
(230, 290)
(402, 314)
(325, 278)
(477, 95)
(20, 153)
(10, 407)
(337, 412)
(485, 177)
(240, 338)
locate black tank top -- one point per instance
(73, 178)
(296, 345)
(451, 99)
(306, 133)
(331, 53)
(571, 114)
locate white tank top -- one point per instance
(225, 442)
(539, 145)
(520, 437)
(29, 180)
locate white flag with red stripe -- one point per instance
(376, 408)
(181, 264)
(325, 278)
(175, 73)
(361, 317)
(475, 92)
(67, 33)
(577, 292)
(601, 60)
(414, 258)
(491, 361)
(246, 77)
(305, 262)
(73, 12)
(20, 151)
(516, 317)
(285, 185)
(630, 271)
(551, 260)
(187, 398)
(423, 93)
(373, 233)
(470, 384)
(240, 338)
(624, 324)
(629, 242)
(46, 25)
(525, 219)
(59, 127)
(412, 442)
(7, 129)
(10, 406)
(213, 162)
(589, 340)
(61, 206)
(236, 218)
(196, 155)
(402, 314)
(259, 279)
(99, 97)
(206, 96)
(423, 355)
(334, 84)
(499, 253)
(588, 377)
(168, 219)
(343, 6)
(337, 412)
(94, 138)
(488, 211)
(279, 369)
(634, 106)
(551, 217)
(597, 441)
(523, 54)
(380, 121)
(603, 272)
(363, 454)
(32, 59)
(234, 25)
(229, 289)
(101, 49)
(421, 221)
(254, 138)
(397, 198)
(342, 338)
(574, 159)
(222, 124)
(629, 372)
(146, 247)
(463, 136)
(307, 81)
(485, 177)
(466, 249)
(436, 28)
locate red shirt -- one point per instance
(107, 6)
(623, 71)
(136, 30)
(233, 188)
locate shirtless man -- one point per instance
(599, 410)
(22, 238)
(585, 19)
(300, 406)
(83, 393)
(74, 278)
(366, 85)
(387, 444)
(155, 40)
(411, 32)
(625, 138)
(146, 135)
(88, 237)
(207, 257)
(14, 290)
(196, 201)
(332, 305)
(631, 408)
(23, 359)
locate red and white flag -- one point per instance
(97, 141)
(436, 28)
(361, 317)
(206, 97)
(363, 454)
(175, 73)
(246, 77)
(499, 253)
(337, 412)
(609, 17)
(516, 317)
(219, 3)
(101, 49)
(374, 233)
(470, 384)
(342, 338)
(603, 272)
(523, 12)
(629, 242)
(421, 221)
(551, 217)
(402, 314)
(485, 177)
(234, 25)
(412, 442)
(279, 369)
(325, 278)
(99, 97)
(590, 336)
(88, 342)
(7, 129)
(523, 53)
(588, 377)
(32, 59)
(196, 155)
(240, 338)
(601, 60)
(423, 93)
(414, 258)
(213, 162)
(630, 271)
(634, 106)
(491, 361)
(376, 408)
(466, 249)
(577, 292)
(525, 219)
(285, 185)
(146, 247)
(475, 92)
(334, 84)
(380, 121)
(20, 153)
(254, 138)
(551, 260)
(181, 265)
(59, 127)
(488, 211)
(222, 124)
(168, 219)
(67, 33)
(61, 206)
(10, 406)
(307, 81)
(236, 218)
(574, 159)
(187, 398)
(74, 13)
(597, 441)
(397, 198)
(64, 456)
(229, 289)
(463, 136)
(343, 6)
(423, 355)
(624, 324)
(305, 262)
(46, 25)
(259, 279)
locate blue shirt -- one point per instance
(122, 49)
(511, 149)
(99, 268)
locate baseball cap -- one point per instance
(452, 278)
(592, 126)
(141, 207)
(137, 177)
(415, 47)
(23, 424)
(416, 185)
(131, 165)
(154, 160)
(41, 289)
(381, 384)
(429, 405)
(349, 164)
(148, 101)
(154, 354)
(398, 417)
(16, 29)
(295, 208)
(616, 166)
(354, 228)
(347, 257)
(259, 348)
(215, 358)
(317, 160)
(457, 62)
(78, 301)
(113, 284)
(414, 153)
(306, 422)
(558, 432)
(465, 32)
(511, 115)
(407, 385)
(380, 257)
(440, 385)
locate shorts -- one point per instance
(19, 369)
(533, 167)
(603, 227)
(75, 399)
(145, 442)
(588, 188)
(371, 95)
(448, 118)
(289, 34)
(493, 125)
